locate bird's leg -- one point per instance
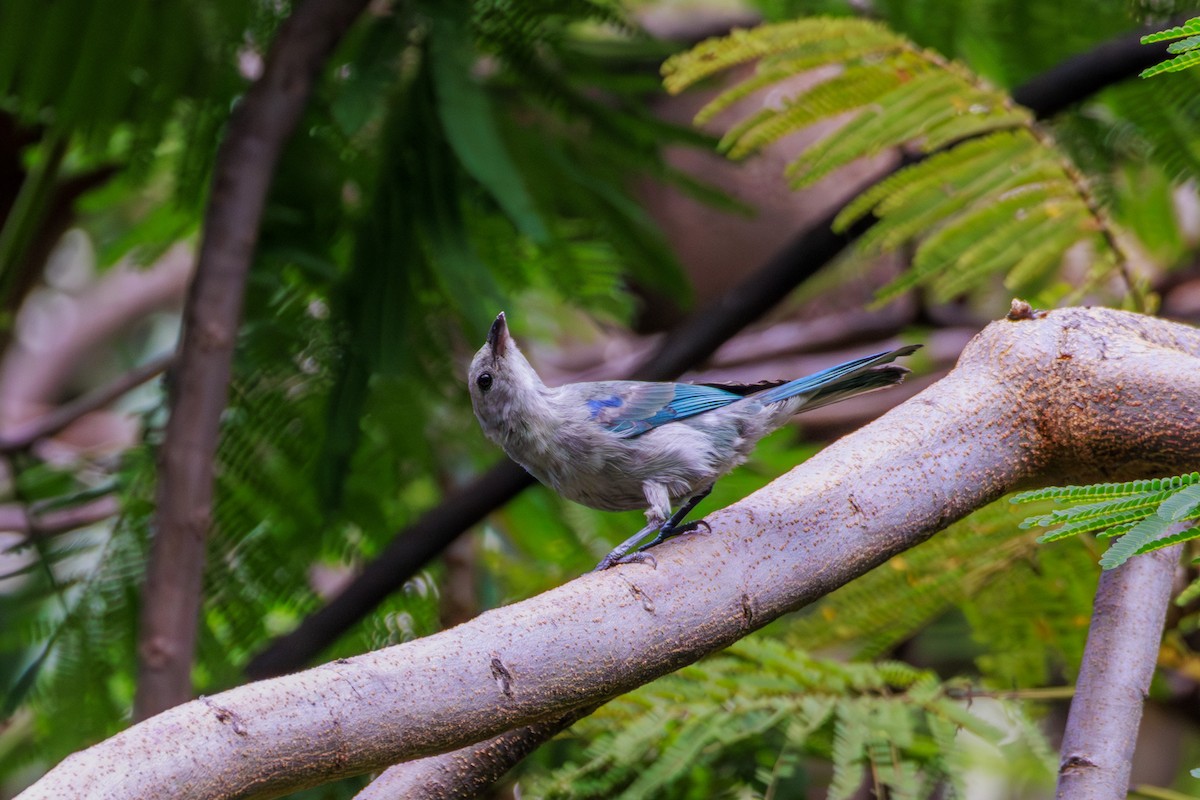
(658, 511)
(672, 526)
(618, 554)
(665, 526)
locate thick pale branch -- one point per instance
(1070, 396)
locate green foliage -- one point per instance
(93, 70)
(694, 733)
(104, 87)
(995, 196)
(1142, 516)
(1186, 52)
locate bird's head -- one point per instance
(504, 388)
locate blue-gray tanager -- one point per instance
(618, 445)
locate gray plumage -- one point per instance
(619, 445)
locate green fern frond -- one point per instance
(1103, 508)
(855, 87)
(965, 173)
(996, 195)
(910, 111)
(950, 774)
(1097, 525)
(1137, 514)
(1106, 490)
(1166, 541)
(1181, 504)
(774, 70)
(1133, 541)
(1176, 64)
(980, 121)
(662, 739)
(1188, 56)
(1189, 43)
(1034, 269)
(840, 38)
(976, 233)
(850, 735)
(1189, 28)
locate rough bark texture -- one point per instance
(1114, 678)
(1075, 395)
(258, 129)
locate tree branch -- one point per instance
(22, 519)
(258, 129)
(464, 773)
(1070, 396)
(1114, 678)
(1083, 75)
(36, 367)
(25, 434)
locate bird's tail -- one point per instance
(845, 380)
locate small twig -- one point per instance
(26, 433)
(19, 518)
(1040, 693)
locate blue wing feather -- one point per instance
(630, 408)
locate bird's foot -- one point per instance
(618, 554)
(669, 531)
(621, 554)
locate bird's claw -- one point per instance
(689, 527)
(639, 558)
(636, 557)
(621, 554)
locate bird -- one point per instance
(620, 445)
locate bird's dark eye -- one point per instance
(484, 381)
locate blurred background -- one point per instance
(457, 159)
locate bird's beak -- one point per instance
(497, 337)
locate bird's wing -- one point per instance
(630, 408)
